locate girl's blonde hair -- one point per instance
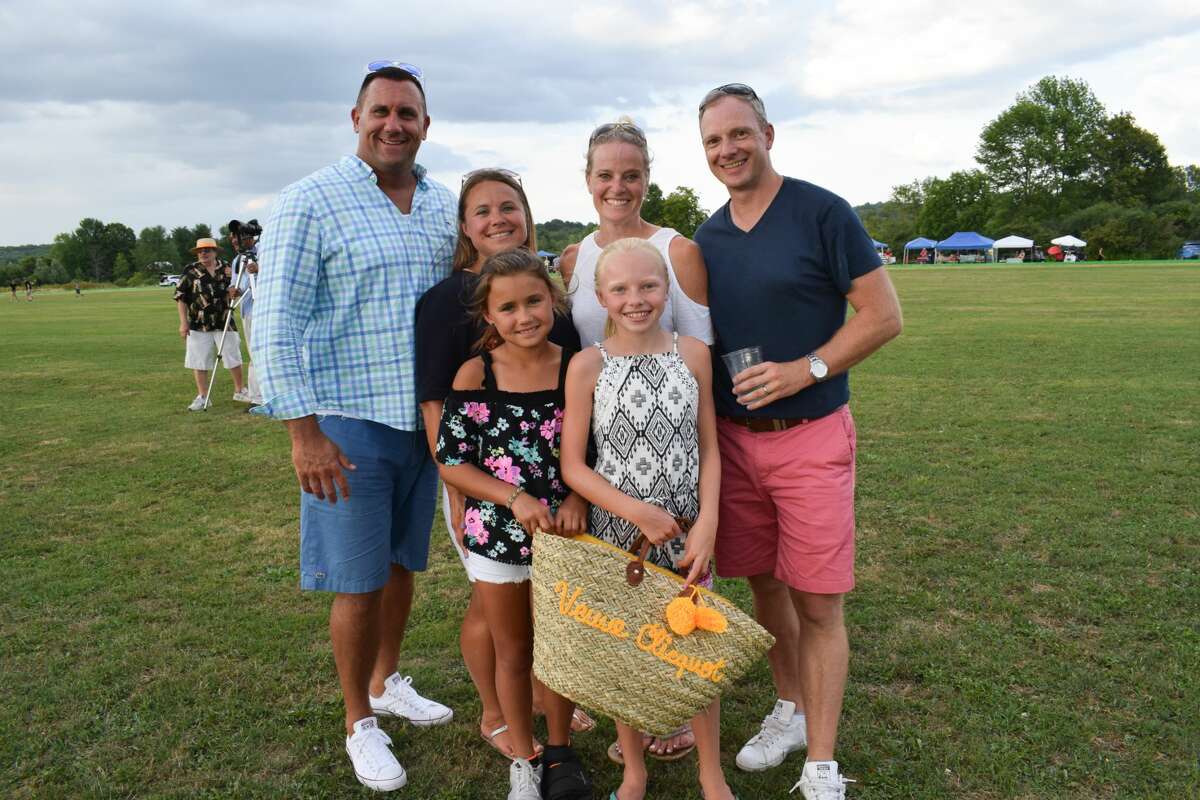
(504, 265)
(631, 244)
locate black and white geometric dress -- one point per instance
(644, 422)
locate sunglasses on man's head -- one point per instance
(411, 69)
(736, 89)
(508, 173)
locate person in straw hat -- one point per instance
(203, 298)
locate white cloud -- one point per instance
(201, 112)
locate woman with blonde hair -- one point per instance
(617, 175)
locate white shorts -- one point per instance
(483, 569)
(454, 540)
(202, 350)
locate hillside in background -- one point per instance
(13, 253)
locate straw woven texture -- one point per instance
(613, 675)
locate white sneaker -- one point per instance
(524, 780)
(821, 781)
(783, 731)
(401, 700)
(199, 404)
(243, 397)
(370, 753)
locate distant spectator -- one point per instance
(13, 285)
(202, 297)
(28, 290)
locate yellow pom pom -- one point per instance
(709, 619)
(681, 615)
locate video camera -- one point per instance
(245, 230)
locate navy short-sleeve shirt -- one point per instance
(782, 285)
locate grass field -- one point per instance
(1026, 622)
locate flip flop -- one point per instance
(490, 738)
(581, 722)
(614, 750)
(674, 755)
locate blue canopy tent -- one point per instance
(965, 240)
(881, 248)
(919, 243)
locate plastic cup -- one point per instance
(742, 359)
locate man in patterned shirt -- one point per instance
(344, 258)
(202, 297)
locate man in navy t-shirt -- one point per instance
(784, 257)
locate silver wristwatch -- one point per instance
(819, 369)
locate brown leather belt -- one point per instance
(766, 424)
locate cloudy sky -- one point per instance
(152, 113)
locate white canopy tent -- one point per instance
(1012, 243)
(1022, 245)
(1069, 241)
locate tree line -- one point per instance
(102, 252)
(1053, 163)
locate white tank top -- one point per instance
(682, 314)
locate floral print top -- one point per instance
(514, 436)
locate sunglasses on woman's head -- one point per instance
(508, 173)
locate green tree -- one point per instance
(50, 271)
(556, 235)
(681, 210)
(184, 241)
(69, 251)
(122, 269)
(896, 220)
(652, 205)
(1132, 165)
(1043, 146)
(153, 246)
(960, 202)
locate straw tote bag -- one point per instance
(603, 640)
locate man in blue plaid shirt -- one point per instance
(342, 262)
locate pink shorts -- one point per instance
(787, 503)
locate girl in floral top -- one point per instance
(498, 444)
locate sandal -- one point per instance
(490, 738)
(673, 755)
(581, 722)
(614, 750)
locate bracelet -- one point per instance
(517, 492)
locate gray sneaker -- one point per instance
(199, 404)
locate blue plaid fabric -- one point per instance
(340, 273)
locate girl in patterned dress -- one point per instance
(646, 394)
(498, 444)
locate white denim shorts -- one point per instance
(482, 568)
(454, 538)
(202, 350)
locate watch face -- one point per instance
(819, 368)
